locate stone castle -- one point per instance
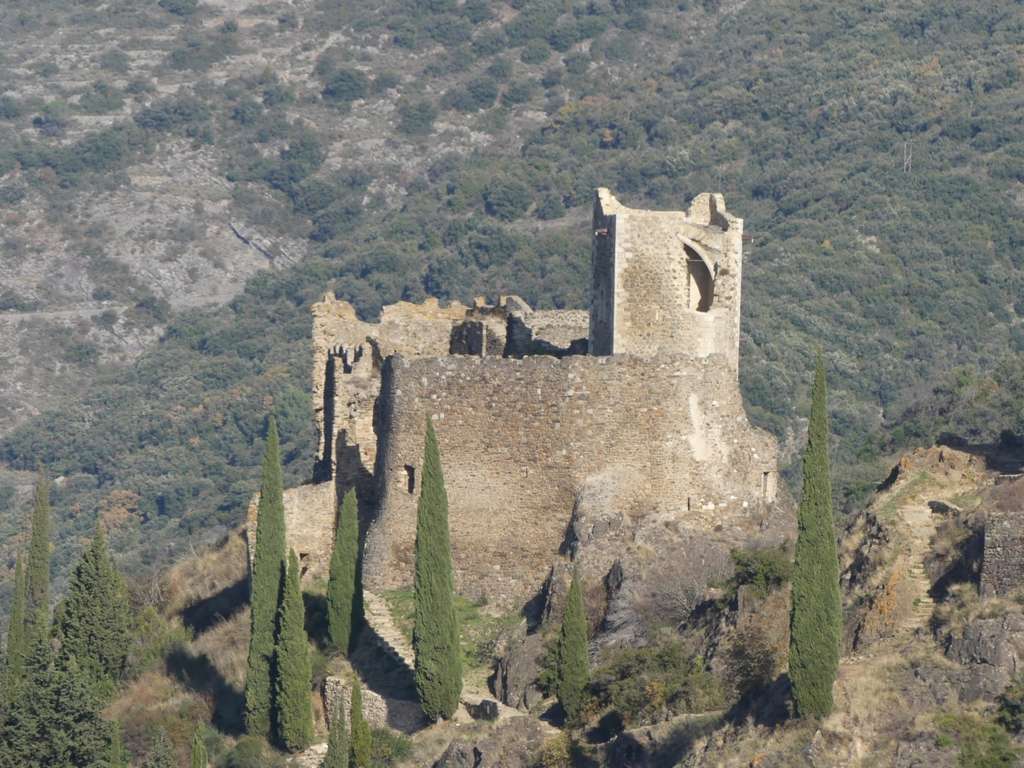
(605, 436)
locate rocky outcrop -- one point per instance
(992, 650)
(513, 744)
(515, 677)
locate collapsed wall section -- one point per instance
(520, 438)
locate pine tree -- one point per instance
(337, 741)
(292, 672)
(93, 621)
(55, 720)
(573, 659)
(267, 581)
(435, 632)
(199, 757)
(37, 608)
(362, 739)
(344, 590)
(17, 643)
(816, 612)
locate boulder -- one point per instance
(515, 678)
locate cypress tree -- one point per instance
(344, 592)
(816, 612)
(573, 659)
(161, 752)
(362, 739)
(266, 583)
(199, 757)
(435, 636)
(337, 741)
(37, 608)
(292, 672)
(17, 643)
(118, 758)
(93, 621)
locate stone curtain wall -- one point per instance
(520, 438)
(310, 512)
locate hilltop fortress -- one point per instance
(615, 437)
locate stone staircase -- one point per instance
(388, 637)
(918, 517)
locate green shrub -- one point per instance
(180, 7)
(764, 569)
(535, 52)
(981, 744)
(416, 118)
(346, 85)
(115, 60)
(102, 98)
(479, 93)
(252, 752)
(9, 109)
(1011, 706)
(519, 92)
(507, 198)
(389, 748)
(647, 685)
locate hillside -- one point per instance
(402, 149)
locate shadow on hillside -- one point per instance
(218, 607)
(769, 707)
(200, 676)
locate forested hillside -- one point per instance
(399, 149)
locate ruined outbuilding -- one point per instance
(602, 436)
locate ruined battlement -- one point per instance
(666, 281)
(599, 433)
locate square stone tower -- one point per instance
(666, 281)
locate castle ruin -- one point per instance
(558, 429)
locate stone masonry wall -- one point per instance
(519, 440)
(666, 281)
(1002, 567)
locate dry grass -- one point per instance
(205, 574)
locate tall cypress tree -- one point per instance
(573, 659)
(17, 642)
(337, 741)
(37, 609)
(93, 621)
(816, 612)
(435, 635)
(292, 671)
(199, 758)
(161, 752)
(362, 739)
(118, 758)
(344, 591)
(267, 581)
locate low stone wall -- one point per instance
(520, 439)
(404, 716)
(310, 513)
